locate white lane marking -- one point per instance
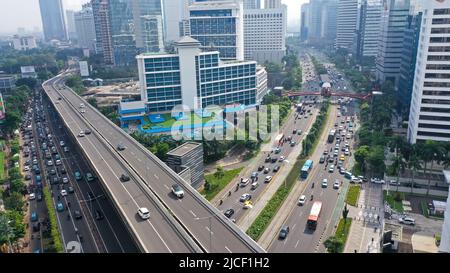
(155, 176)
(133, 153)
(285, 240)
(167, 187)
(193, 213)
(139, 159)
(321, 193)
(293, 226)
(228, 249)
(148, 168)
(296, 244)
(300, 214)
(207, 228)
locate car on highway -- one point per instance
(70, 189)
(274, 159)
(34, 217)
(28, 176)
(66, 149)
(407, 220)
(254, 185)
(121, 147)
(277, 150)
(177, 191)
(144, 213)
(60, 207)
(260, 168)
(78, 176)
(63, 193)
(62, 170)
(293, 143)
(336, 184)
(377, 180)
(268, 159)
(82, 111)
(65, 180)
(229, 212)
(324, 183)
(39, 197)
(347, 151)
(342, 158)
(245, 197)
(281, 159)
(283, 232)
(331, 169)
(26, 168)
(254, 175)
(87, 131)
(124, 177)
(50, 163)
(302, 200)
(266, 170)
(62, 143)
(52, 172)
(355, 179)
(248, 204)
(299, 132)
(268, 179)
(58, 162)
(77, 214)
(81, 133)
(244, 182)
(322, 159)
(89, 177)
(32, 196)
(394, 183)
(276, 169)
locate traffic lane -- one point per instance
(306, 240)
(95, 149)
(222, 243)
(233, 200)
(112, 230)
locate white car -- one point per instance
(281, 158)
(325, 183)
(302, 200)
(245, 182)
(245, 197)
(346, 152)
(336, 184)
(63, 192)
(254, 185)
(348, 136)
(65, 180)
(407, 221)
(331, 169)
(355, 179)
(177, 191)
(144, 213)
(58, 162)
(268, 179)
(81, 133)
(377, 181)
(32, 196)
(26, 168)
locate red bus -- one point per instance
(314, 215)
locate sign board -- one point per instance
(84, 69)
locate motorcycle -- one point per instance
(312, 197)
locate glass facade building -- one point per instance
(195, 79)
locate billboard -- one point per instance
(2, 108)
(84, 69)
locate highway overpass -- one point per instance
(190, 224)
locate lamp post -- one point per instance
(210, 229)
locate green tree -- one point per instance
(30, 82)
(14, 202)
(162, 150)
(376, 160)
(414, 165)
(344, 215)
(334, 245)
(219, 172)
(17, 185)
(361, 156)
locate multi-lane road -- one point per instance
(189, 224)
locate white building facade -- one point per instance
(85, 27)
(347, 20)
(370, 27)
(429, 117)
(24, 42)
(265, 34)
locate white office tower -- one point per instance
(175, 11)
(347, 20)
(272, 4)
(85, 27)
(370, 27)
(304, 21)
(219, 25)
(265, 34)
(445, 236)
(252, 4)
(70, 23)
(430, 109)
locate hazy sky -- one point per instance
(25, 13)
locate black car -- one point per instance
(62, 170)
(28, 177)
(268, 159)
(52, 172)
(274, 159)
(229, 212)
(322, 159)
(91, 195)
(98, 215)
(36, 227)
(124, 177)
(39, 197)
(70, 190)
(283, 232)
(55, 180)
(276, 169)
(260, 168)
(77, 214)
(87, 131)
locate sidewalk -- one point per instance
(249, 217)
(291, 201)
(365, 231)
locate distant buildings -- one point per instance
(429, 117)
(252, 4)
(261, 83)
(219, 25)
(265, 34)
(7, 84)
(304, 21)
(104, 46)
(369, 30)
(85, 27)
(28, 72)
(187, 161)
(272, 4)
(71, 31)
(318, 22)
(52, 15)
(347, 20)
(194, 78)
(174, 14)
(24, 42)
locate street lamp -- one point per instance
(210, 228)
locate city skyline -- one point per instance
(30, 18)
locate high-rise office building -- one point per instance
(252, 4)
(272, 4)
(304, 21)
(369, 29)
(347, 21)
(194, 78)
(70, 19)
(315, 21)
(52, 15)
(265, 34)
(429, 113)
(321, 21)
(187, 161)
(85, 27)
(328, 25)
(394, 20)
(408, 62)
(174, 13)
(103, 42)
(219, 25)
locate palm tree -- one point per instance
(414, 164)
(399, 165)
